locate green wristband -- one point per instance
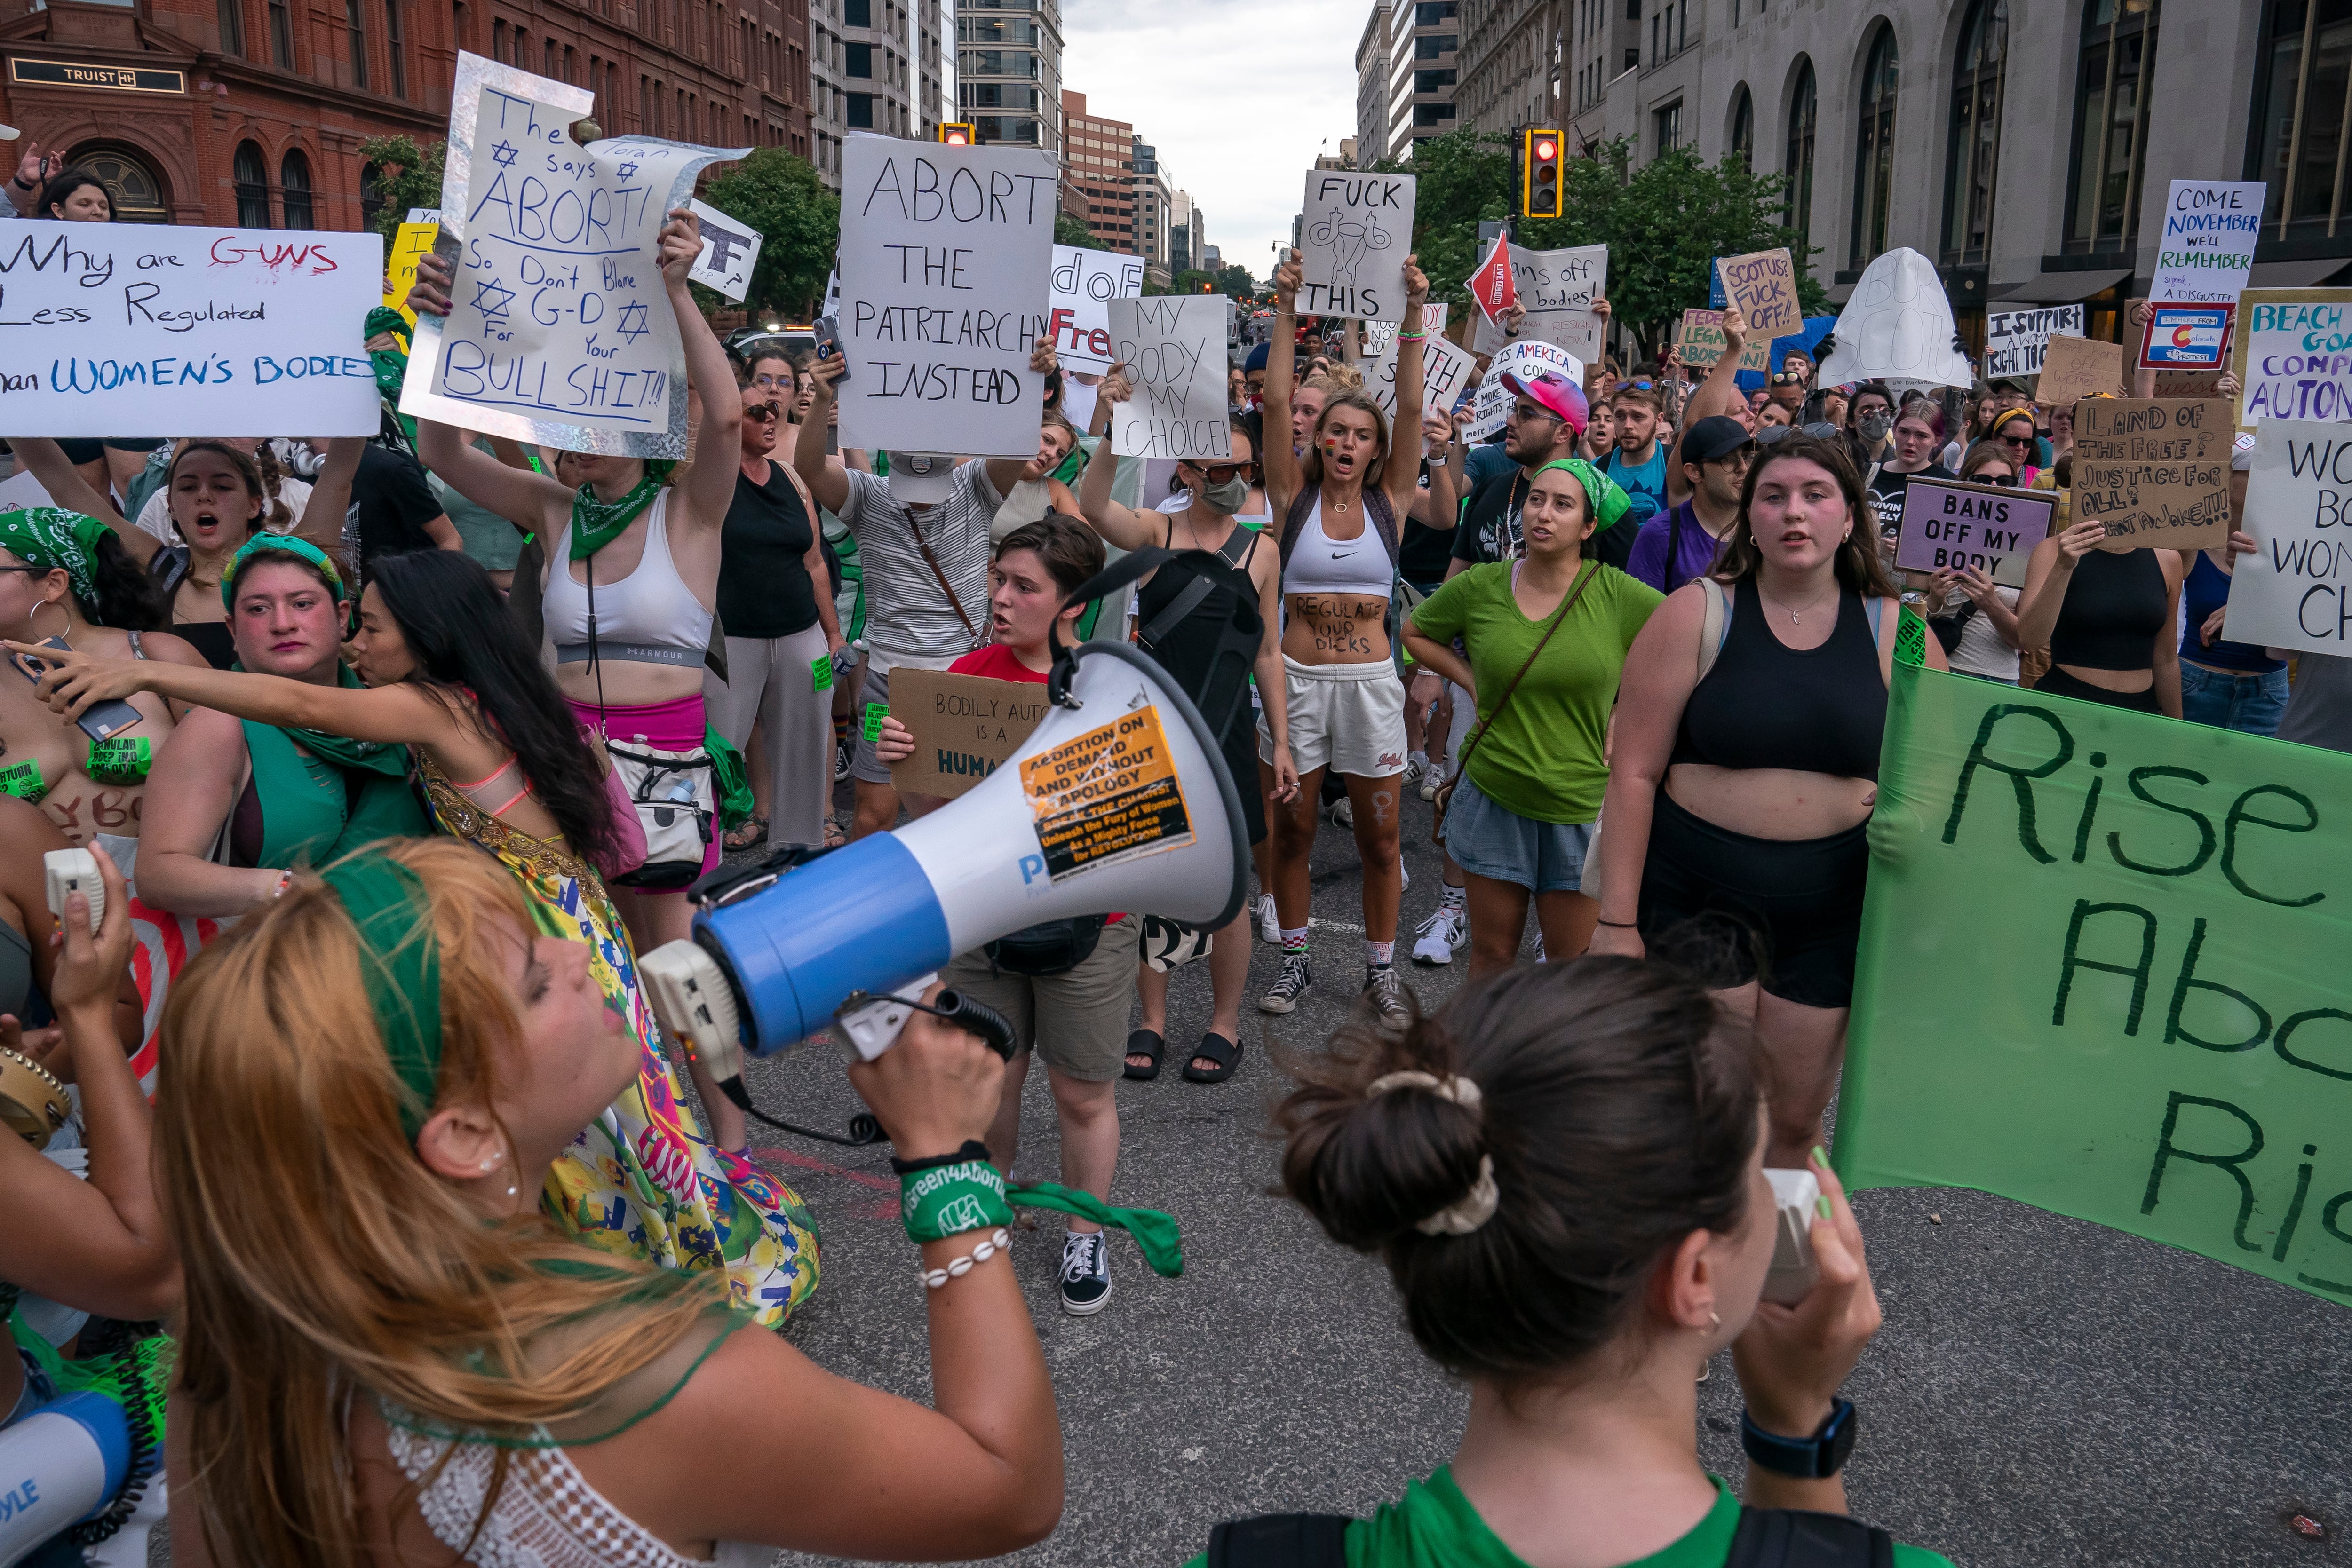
(948, 1200)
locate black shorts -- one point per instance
(1785, 913)
(2057, 683)
(82, 449)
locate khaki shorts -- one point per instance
(1075, 1021)
(1348, 717)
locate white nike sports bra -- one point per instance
(1319, 564)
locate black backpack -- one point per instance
(1767, 1538)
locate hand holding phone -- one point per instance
(101, 719)
(828, 346)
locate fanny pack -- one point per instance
(676, 797)
(1048, 947)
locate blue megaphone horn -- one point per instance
(59, 1467)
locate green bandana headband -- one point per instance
(54, 539)
(400, 959)
(1608, 498)
(285, 544)
(596, 524)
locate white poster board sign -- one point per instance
(2290, 355)
(1556, 289)
(1356, 230)
(1173, 348)
(2292, 591)
(944, 256)
(729, 251)
(1446, 373)
(2015, 340)
(1522, 360)
(1489, 409)
(2208, 248)
(227, 331)
(561, 330)
(1897, 326)
(1085, 282)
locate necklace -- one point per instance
(1797, 616)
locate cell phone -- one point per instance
(74, 870)
(102, 719)
(828, 345)
(1796, 1202)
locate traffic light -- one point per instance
(956, 135)
(1539, 176)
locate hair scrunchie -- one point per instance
(1477, 1206)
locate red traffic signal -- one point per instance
(1539, 174)
(956, 134)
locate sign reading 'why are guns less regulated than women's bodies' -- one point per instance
(560, 331)
(111, 327)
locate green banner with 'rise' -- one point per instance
(2107, 970)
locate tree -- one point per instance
(1071, 229)
(800, 221)
(1235, 279)
(405, 176)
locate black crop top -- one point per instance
(1766, 705)
(2113, 610)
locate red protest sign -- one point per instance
(1491, 284)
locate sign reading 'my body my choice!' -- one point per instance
(945, 253)
(1174, 346)
(244, 332)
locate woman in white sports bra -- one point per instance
(1340, 503)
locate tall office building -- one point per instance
(1009, 71)
(1180, 233)
(1423, 39)
(867, 74)
(1153, 204)
(1508, 65)
(1372, 86)
(1099, 174)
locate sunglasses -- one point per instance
(2009, 480)
(765, 412)
(2017, 440)
(1223, 473)
(1787, 378)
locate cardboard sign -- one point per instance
(2157, 474)
(233, 332)
(1357, 230)
(1556, 289)
(2185, 337)
(415, 239)
(965, 726)
(1446, 373)
(1489, 407)
(2208, 248)
(1108, 796)
(729, 251)
(2015, 339)
(1699, 343)
(945, 258)
(1952, 523)
(1763, 284)
(1085, 282)
(2292, 592)
(1173, 348)
(562, 331)
(2293, 355)
(2076, 368)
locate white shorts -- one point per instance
(1348, 717)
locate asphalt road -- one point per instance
(2044, 1391)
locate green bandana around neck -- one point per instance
(399, 960)
(596, 524)
(1607, 498)
(52, 538)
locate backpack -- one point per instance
(1767, 1538)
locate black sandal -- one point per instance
(1135, 1046)
(1225, 1053)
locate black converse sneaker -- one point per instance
(1387, 992)
(1086, 1272)
(1288, 987)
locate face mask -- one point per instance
(1225, 499)
(1875, 425)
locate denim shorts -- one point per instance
(2249, 701)
(1493, 842)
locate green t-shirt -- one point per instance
(1542, 758)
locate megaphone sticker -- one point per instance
(1106, 795)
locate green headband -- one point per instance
(400, 959)
(285, 544)
(1609, 499)
(54, 539)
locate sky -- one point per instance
(1238, 95)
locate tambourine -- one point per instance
(32, 1102)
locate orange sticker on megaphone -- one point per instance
(1106, 795)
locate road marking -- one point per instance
(1334, 925)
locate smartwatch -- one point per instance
(1813, 1458)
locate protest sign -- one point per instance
(1174, 346)
(729, 251)
(1489, 409)
(1492, 288)
(2292, 591)
(2157, 474)
(560, 331)
(1445, 370)
(1556, 289)
(1897, 326)
(2185, 337)
(2014, 339)
(1356, 231)
(945, 258)
(414, 239)
(1763, 284)
(1085, 282)
(2293, 355)
(231, 331)
(2101, 973)
(1949, 523)
(2076, 368)
(2208, 248)
(1699, 343)
(965, 726)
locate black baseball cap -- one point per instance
(1713, 438)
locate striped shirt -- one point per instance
(906, 616)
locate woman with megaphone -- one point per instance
(389, 1354)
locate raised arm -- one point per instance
(398, 715)
(710, 485)
(46, 461)
(825, 479)
(514, 494)
(1403, 475)
(1282, 475)
(1433, 507)
(1120, 526)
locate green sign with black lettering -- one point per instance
(2107, 970)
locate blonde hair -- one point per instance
(323, 1261)
(1310, 466)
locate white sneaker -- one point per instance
(1431, 779)
(1269, 923)
(1447, 927)
(1404, 874)
(1540, 952)
(1415, 767)
(1343, 812)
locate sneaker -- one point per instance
(1431, 779)
(1540, 952)
(842, 752)
(1414, 769)
(1288, 987)
(1387, 992)
(1085, 1273)
(1343, 812)
(1404, 876)
(1445, 929)
(1269, 923)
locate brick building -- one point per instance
(1098, 178)
(250, 113)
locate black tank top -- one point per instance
(1767, 704)
(2113, 610)
(1191, 650)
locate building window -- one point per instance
(1666, 123)
(281, 36)
(1873, 150)
(1974, 160)
(2299, 141)
(1796, 164)
(294, 177)
(857, 60)
(2118, 53)
(856, 13)
(252, 187)
(232, 26)
(371, 195)
(1743, 126)
(861, 111)
(355, 23)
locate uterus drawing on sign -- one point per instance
(1350, 237)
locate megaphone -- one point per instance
(60, 1466)
(1120, 800)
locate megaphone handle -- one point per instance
(872, 1027)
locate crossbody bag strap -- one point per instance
(1558, 617)
(940, 577)
(1189, 597)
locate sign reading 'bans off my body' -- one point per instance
(1950, 525)
(1356, 231)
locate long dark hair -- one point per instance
(466, 643)
(1858, 566)
(64, 184)
(124, 594)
